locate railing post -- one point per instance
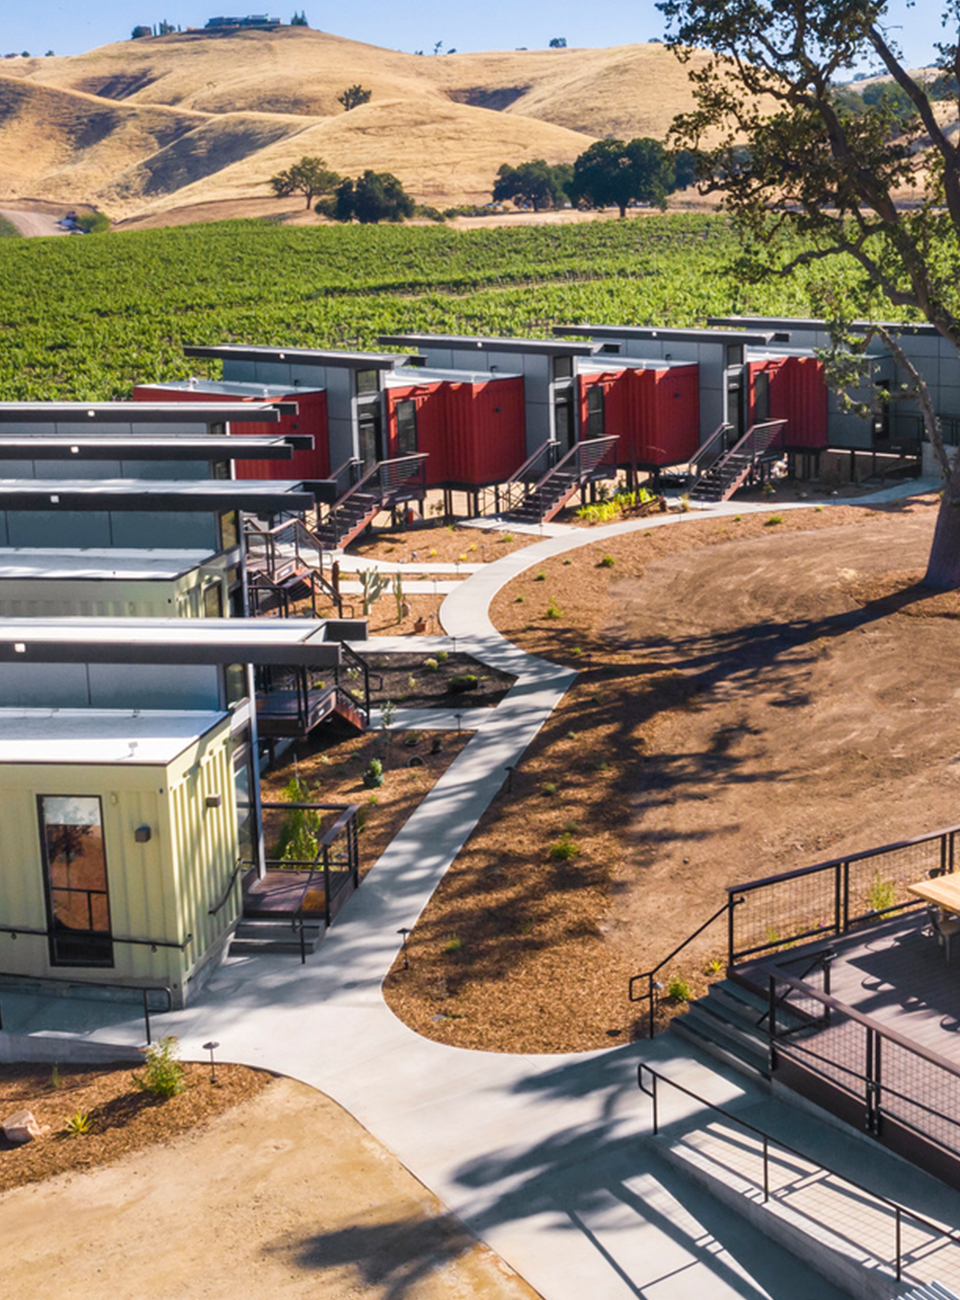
(730, 930)
(772, 1024)
(146, 1014)
(766, 1169)
(846, 896)
(868, 1083)
(899, 1243)
(838, 891)
(652, 993)
(326, 886)
(943, 855)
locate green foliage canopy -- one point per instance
(616, 173)
(310, 177)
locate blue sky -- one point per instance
(80, 25)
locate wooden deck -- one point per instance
(898, 976)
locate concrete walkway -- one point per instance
(542, 1156)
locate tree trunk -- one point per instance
(623, 210)
(943, 565)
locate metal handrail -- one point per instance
(718, 436)
(653, 988)
(900, 1211)
(383, 481)
(346, 821)
(516, 487)
(212, 911)
(154, 944)
(355, 661)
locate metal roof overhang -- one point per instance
(176, 641)
(750, 339)
(304, 356)
(482, 343)
(93, 413)
(142, 494)
(117, 447)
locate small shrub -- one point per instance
(882, 893)
(79, 1124)
(737, 518)
(431, 665)
(566, 562)
(607, 561)
(463, 682)
(412, 738)
(679, 990)
(373, 773)
(540, 576)
(553, 609)
(163, 1074)
(442, 656)
(56, 1078)
(520, 600)
(564, 849)
(549, 787)
(506, 537)
(714, 967)
(773, 521)
(453, 944)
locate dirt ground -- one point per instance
(755, 695)
(285, 1195)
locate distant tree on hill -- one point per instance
(300, 19)
(534, 184)
(558, 43)
(614, 173)
(374, 196)
(139, 32)
(353, 97)
(310, 177)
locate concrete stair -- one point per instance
(724, 1023)
(256, 935)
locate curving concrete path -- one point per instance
(542, 1156)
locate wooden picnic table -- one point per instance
(942, 890)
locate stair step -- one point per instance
(261, 935)
(721, 1039)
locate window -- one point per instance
(595, 411)
(761, 398)
(563, 367)
(406, 428)
(75, 869)
(368, 382)
(229, 530)
(213, 601)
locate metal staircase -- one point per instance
(386, 485)
(285, 569)
(585, 463)
(719, 468)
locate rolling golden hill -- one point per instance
(149, 126)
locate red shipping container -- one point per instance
(798, 394)
(311, 418)
(655, 412)
(473, 432)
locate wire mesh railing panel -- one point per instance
(879, 883)
(920, 1093)
(837, 1053)
(782, 912)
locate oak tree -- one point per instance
(310, 177)
(810, 176)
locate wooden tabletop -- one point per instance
(943, 890)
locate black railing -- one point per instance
(830, 898)
(384, 484)
(145, 990)
(287, 548)
(353, 669)
(654, 987)
(336, 863)
(153, 944)
(225, 897)
(884, 1079)
(512, 493)
(900, 1260)
(706, 456)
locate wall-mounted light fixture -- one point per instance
(142, 834)
(214, 800)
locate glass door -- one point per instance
(75, 866)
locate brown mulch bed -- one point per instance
(424, 681)
(332, 766)
(659, 778)
(444, 543)
(123, 1118)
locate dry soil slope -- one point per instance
(186, 119)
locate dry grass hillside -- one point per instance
(158, 124)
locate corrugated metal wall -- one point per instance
(473, 433)
(162, 889)
(798, 394)
(654, 413)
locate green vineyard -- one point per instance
(86, 318)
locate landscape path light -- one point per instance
(211, 1048)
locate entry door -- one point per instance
(564, 419)
(736, 402)
(371, 435)
(75, 867)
